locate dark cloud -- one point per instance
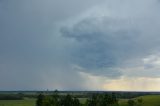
(104, 43)
(98, 46)
(95, 37)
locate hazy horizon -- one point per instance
(108, 45)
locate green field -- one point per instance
(149, 100)
(25, 102)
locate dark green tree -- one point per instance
(131, 102)
(67, 101)
(55, 99)
(40, 99)
(76, 102)
(140, 100)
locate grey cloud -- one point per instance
(109, 43)
(31, 53)
(99, 46)
(34, 55)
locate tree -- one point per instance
(114, 100)
(131, 102)
(92, 101)
(40, 99)
(102, 100)
(76, 102)
(67, 101)
(55, 99)
(140, 100)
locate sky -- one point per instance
(110, 45)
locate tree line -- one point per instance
(70, 100)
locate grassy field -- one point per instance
(25, 102)
(149, 100)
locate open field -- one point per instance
(148, 100)
(25, 102)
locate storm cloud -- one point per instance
(69, 44)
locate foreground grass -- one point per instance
(25, 102)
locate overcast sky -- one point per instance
(80, 45)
